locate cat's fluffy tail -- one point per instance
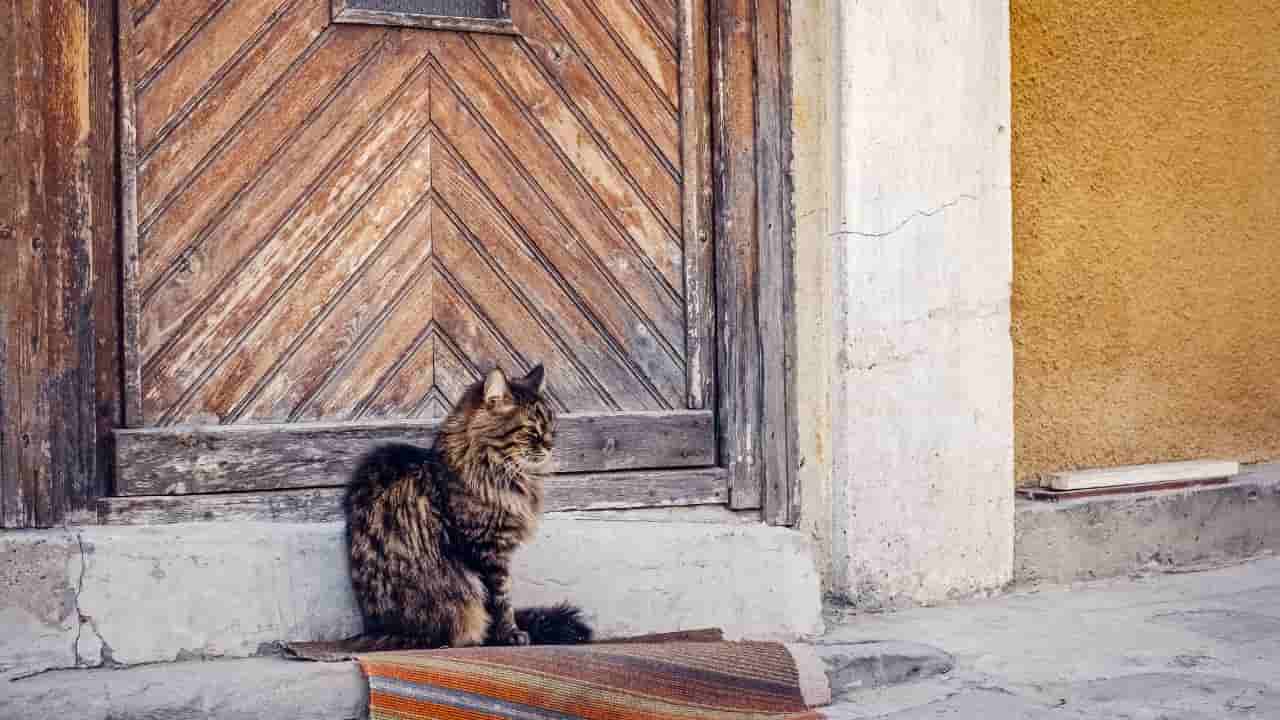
(556, 625)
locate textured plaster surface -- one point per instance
(814, 171)
(1147, 231)
(922, 377)
(111, 597)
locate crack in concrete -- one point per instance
(105, 653)
(106, 658)
(907, 220)
(80, 617)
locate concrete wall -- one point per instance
(908, 105)
(814, 168)
(1147, 231)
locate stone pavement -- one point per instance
(1188, 646)
(1191, 646)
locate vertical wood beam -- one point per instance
(775, 224)
(697, 203)
(750, 102)
(127, 159)
(737, 269)
(47, 365)
(107, 279)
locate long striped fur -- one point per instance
(431, 531)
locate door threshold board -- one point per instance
(582, 491)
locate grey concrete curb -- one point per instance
(1091, 538)
(221, 689)
(277, 688)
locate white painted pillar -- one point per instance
(918, 240)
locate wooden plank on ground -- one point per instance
(239, 458)
(1035, 493)
(1152, 474)
(590, 491)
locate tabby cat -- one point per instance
(431, 531)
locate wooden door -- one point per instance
(336, 217)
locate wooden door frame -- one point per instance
(741, 361)
(59, 371)
(755, 307)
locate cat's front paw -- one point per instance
(518, 637)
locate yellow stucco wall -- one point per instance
(1146, 298)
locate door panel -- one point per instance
(351, 223)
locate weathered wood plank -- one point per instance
(404, 391)
(664, 17)
(351, 386)
(130, 257)
(316, 283)
(557, 244)
(106, 258)
(270, 457)
(303, 199)
(774, 282)
(454, 373)
(642, 105)
(47, 367)
(641, 45)
(356, 326)
(177, 228)
(568, 196)
(592, 491)
(586, 374)
(699, 234)
(651, 231)
(481, 284)
(167, 24)
(16, 280)
(361, 16)
(184, 79)
(737, 250)
(545, 41)
(170, 160)
(790, 328)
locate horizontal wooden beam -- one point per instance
(343, 12)
(588, 491)
(243, 458)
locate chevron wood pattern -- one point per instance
(340, 222)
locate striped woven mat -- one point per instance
(674, 681)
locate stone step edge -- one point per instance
(273, 687)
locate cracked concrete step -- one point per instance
(220, 690)
(134, 595)
(276, 688)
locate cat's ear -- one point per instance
(495, 388)
(536, 379)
